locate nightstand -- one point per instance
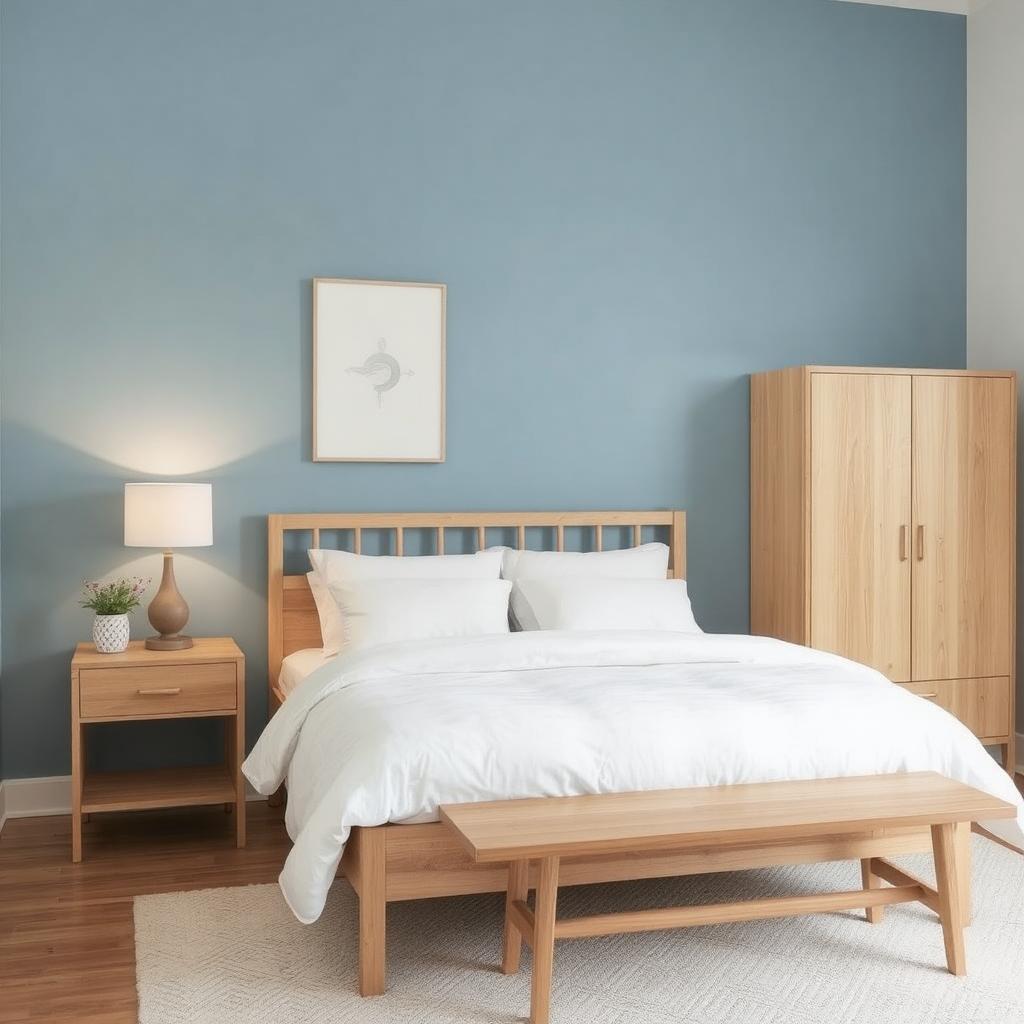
(205, 681)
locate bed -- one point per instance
(428, 701)
(295, 667)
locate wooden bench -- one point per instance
(546, 829)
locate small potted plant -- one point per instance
(112, 602)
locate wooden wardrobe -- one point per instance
(883, 527)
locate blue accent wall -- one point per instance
(633, 204)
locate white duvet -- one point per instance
(387, 734)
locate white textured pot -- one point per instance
(110, 633)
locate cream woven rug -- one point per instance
(228, 956)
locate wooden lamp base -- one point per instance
(168, 643)
(168, 613)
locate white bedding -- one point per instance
(298, 665)
(387, 734)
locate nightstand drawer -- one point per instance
(166, 690)
(983, 705)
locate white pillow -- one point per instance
(644, 562)
(579, 603)
(331, 567)
(385, 611)
(332, 627)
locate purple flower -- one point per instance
(116, 597)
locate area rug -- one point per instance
(228, 956)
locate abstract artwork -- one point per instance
(378, 371)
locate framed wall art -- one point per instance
(378, 371)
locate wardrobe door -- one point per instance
(963, 523)
(860, 518)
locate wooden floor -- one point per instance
(67, 943)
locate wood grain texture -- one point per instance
(882, 869)
(869, 880)
(545, 828)
(204, 649)
(372, 914)
(544, 940)
(425, 861)
(964, 859)
(300, 624)
(947, 884)
(67, 950)
(206, 680)
(983, 705)
(962, 838)
(779, 496)
(860, 496)
(162, 787)
(350, 858)
(275, 609)
(234, 754)
(628, 921)
(512, 937)
(292, 621)
(521, 916)
(77, 767)
(505, 830)
(958, 542)
(963, 504)
(156, 691)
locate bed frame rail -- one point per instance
(389, 863)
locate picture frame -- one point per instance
(378, 370)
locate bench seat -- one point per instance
(546, 829)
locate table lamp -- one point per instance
(168, 515)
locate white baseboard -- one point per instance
(37, 798)
(34, 798)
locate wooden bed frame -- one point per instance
(406, 862)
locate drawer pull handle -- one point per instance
(163, 691)
(928, 696)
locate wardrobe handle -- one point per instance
(920, 543)
(903, 543)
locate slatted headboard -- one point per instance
(291, 614)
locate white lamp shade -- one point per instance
(168, 515)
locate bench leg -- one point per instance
(947, 874)
(962, 833)
(871, 881)
(512, 941)
(544, 940)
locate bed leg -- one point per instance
(871, 881)
(372, 912)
